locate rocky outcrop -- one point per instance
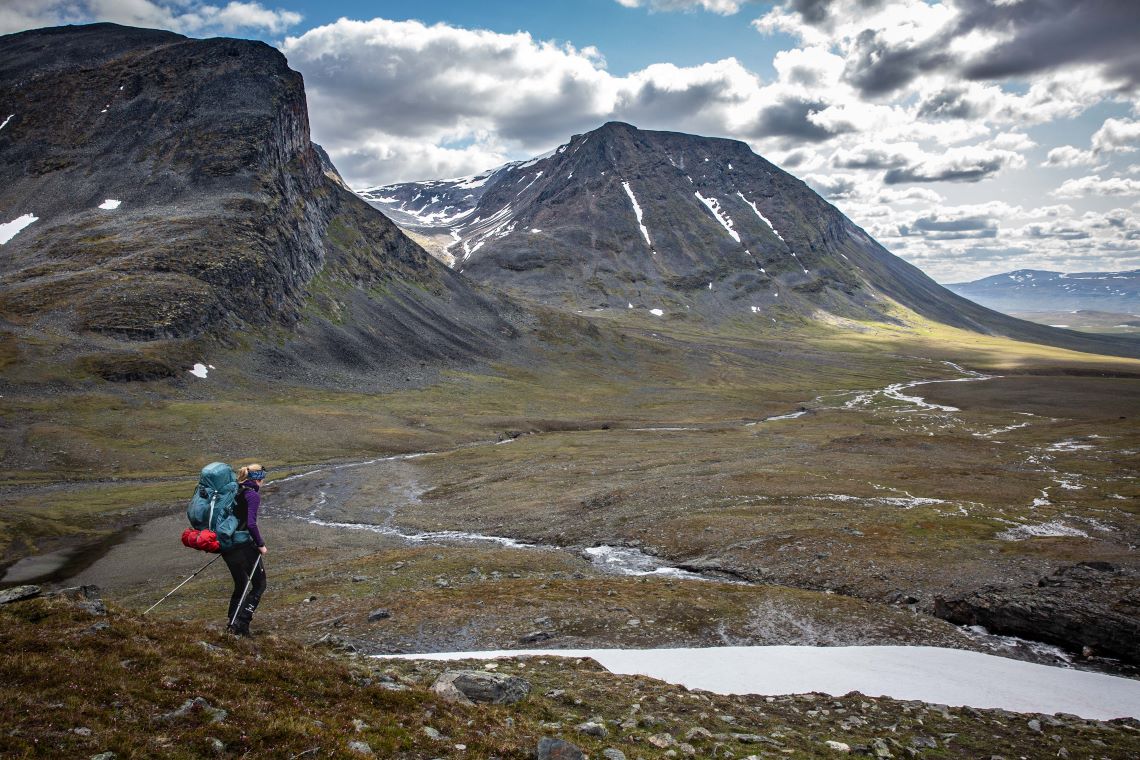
(1092, 608)
(471, 686)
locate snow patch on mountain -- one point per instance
(762, 217)
(8, 230)
(725, 221)
(637, 213)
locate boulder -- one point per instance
(470, 686)
(380, 614)
(16, 593)
(550, 748)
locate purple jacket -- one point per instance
(252, 499)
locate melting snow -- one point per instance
(110, 204)
(200, 370)
(1052, 528)
(8, 230)
(656, 312)
(928, 674)
(762, 217)
(637, 213)
(714, 206)
(7, 120)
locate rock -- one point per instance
(837, 746)
(550, 748)
(755, 739)
(380, 614)
(535, 636)
(688, 750)
(104, 756)
(879, 747)
(590, 728)
(360, 748)
(18, 593)
(431, 733)
(609, 753)
(926, 742)
(217, 746)
(1034, 725)
(1090, 604)
(543, 621)
(197, 704)
(469, 686)
(85, 597)
(698, 733)
(81, 731)
(661, 741)
(442, 583)
(360, 725)
(359, 579)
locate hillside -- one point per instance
(623, 218)
(168, 689)
(162, 199)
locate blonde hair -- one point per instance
(243, 473)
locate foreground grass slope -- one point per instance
(78, 684)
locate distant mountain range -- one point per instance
(1036, 290)
(681, 226)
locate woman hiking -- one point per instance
(243, 558)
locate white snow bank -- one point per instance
(762, 217)
(1051, 529)
(725, 221)
(200, 370)
(7, 120)
(637, 213)
(927, 674)
(110, 204)
(656, 312)
(8, 230)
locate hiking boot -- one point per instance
(240, 631)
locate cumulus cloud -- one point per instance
(1095, 186)
(186, 16)
(1117, 135)
(1066, 156)
(957, 165)
(723, 7)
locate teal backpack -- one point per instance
(211, 510)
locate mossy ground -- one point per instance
(78, 684)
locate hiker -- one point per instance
(241, 558)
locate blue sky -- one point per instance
(970, 137)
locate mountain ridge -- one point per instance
(220, 221)
(1046, 290)
(622, 218)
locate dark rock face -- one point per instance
(1091, 606)
(690, 225)
(230, 219)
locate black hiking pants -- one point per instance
(240, 561)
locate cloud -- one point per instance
(722, 7)
(1066, 156)
(186, 16)
(971, 164)
(1117, 135)
(1095, 186)
(888, 44)
(875, 156)
(834, 186)
(951, 226)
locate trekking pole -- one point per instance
(248, 583)
(183, 583)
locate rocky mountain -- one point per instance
(159, 194)
(622, 218)
(1041, 290)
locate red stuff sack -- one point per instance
(204, 540)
